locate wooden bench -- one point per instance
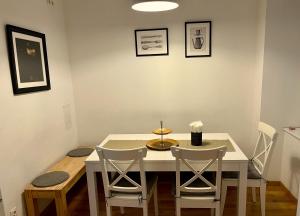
(75, 166)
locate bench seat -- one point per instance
(75, 167)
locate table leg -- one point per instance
(93, 191)
(242, 190)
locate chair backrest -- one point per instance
(111, 158)
(265, 141)
(209, 158)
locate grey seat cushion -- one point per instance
(185, 176)
(50, 179)
(252, 173)
(80, 152)
(151, 179)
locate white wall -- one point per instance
(32, 129)
(280, 91)
(116, 92)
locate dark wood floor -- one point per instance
(279, 202)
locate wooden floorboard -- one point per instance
(279, 202)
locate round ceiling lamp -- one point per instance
(154, 5)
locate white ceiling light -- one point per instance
(154, 5)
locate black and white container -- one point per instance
(196, 133)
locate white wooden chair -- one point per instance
(257, 168)
(127, 189)
(204, 193)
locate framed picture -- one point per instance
(198, 39)
(151, 42)
(27, 54)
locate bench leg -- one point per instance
(31, 203)
(61, 204)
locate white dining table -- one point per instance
(163, 161)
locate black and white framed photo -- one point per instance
(198, 39)
(151, 42)
(27, 54)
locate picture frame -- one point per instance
(198, 39)
(151, 42)
(27, 53)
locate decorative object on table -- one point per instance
(161, 144)
(80, 152)
(198, 39)
(196, 133)
(151, 42)
(154, 6)
(28, 60)
(50, 179)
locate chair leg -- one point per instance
(175, 204)
(122, 210)
(217, 211)
(253, 194)
(145, 208)
(263, 198)
(223, 197)
(178, 207)
(108, 210)
(155, 201)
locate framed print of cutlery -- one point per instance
(151, 42)
(198, 39)
(28, 60)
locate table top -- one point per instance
(163, 156)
